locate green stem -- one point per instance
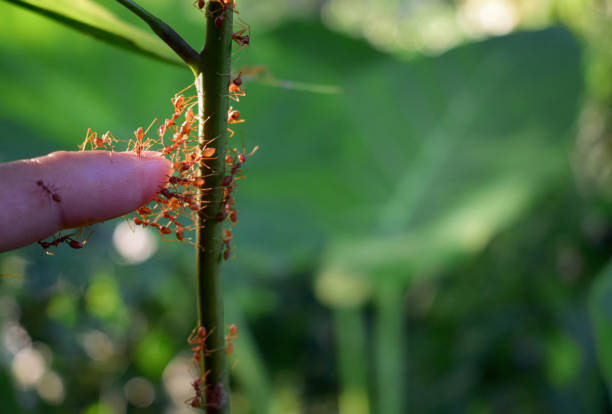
(165, 33)
(389, 349)
(212, 76)
(212, 82)
(352, 353)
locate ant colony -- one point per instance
(173, 211)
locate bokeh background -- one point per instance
(431, 237)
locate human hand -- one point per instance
(64, 190)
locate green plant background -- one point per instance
(415, 243)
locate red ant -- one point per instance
(170, 194)
(139, 134)
(96, 141)
(240, 159)
(178, 103)
(196, 401)
(237, 80)
(209, 152)
(198, 338)
(187, 164)
(232, 118)
(177, 224)
(227, 180)
(231, 335)
(189, 115)
(233, 115)
(144, 211)
(221, 17)
(186, 127)
(235, 92)
(51, 192)
(226, 242)
(228, 200)
(140, 144)
(143, 222)
(242, 40)
(68, 239)
(184, 198)
(199, 4)
(226, 3)
(196, 182)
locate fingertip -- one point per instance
(156, 170)
(152, 155)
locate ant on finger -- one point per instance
(68, 239)
(140, 144)
(51, 192)
(96, 141)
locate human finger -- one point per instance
(43, 195)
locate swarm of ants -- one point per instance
(205, 396)
(173, 211)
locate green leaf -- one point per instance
(94, 20)
(417, 165)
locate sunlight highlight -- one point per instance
(15, 338)
(134, 245)
(98, 345)
(491, 17)
(51, 388)
(139, 392)
(28, 366)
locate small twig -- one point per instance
(165, 33)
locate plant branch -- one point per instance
(212, 82)
(166, 33)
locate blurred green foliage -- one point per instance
(416, 243)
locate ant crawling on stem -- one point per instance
(196, 401)
(221, 17)
(232, 118)
(231, 335)
(198, 338)
(235, 92)
(240, 39)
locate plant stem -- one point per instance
(165, 33)
(212, 82)
(212, 76)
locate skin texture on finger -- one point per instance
(62, 190)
